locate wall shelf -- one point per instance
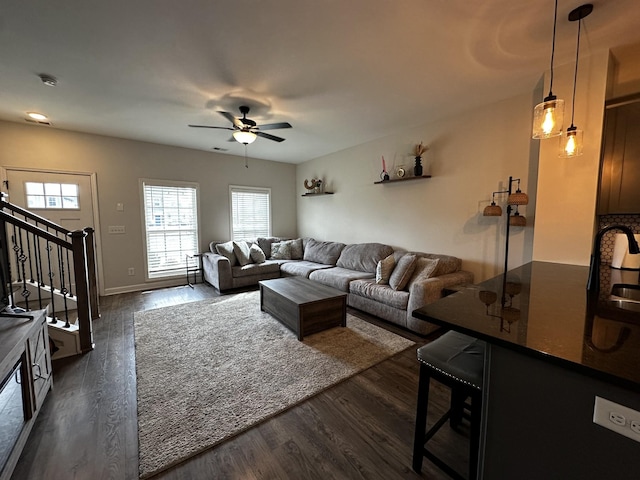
(316, 194)
(401, 179)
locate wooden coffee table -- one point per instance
(304, 306)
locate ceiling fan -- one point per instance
(245, 130)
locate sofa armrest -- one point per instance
(217, 271)
(430, 290)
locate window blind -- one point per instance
(250, 212)
(171, 227)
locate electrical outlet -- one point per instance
(131, 271)
(617, 418)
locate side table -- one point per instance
(194, 266)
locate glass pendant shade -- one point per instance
(492, 210)
(244, 137)
(571, 143)
(548, 117)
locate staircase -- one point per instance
(45, 266)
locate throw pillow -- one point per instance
(281, 251)
(296, 248)
(241, 250)
(384, 270)
(226, 250)
(403, 271)
(257, 255)
(425, 268)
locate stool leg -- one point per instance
(421, 418)
(474, 446)
(458, 398)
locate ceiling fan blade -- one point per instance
(209, 126)
(274, 126)
(231, 118)
(269, 137)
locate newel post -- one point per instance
(82, 290)
(92, 273)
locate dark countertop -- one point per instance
(546, 314)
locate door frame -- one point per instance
(94, 203)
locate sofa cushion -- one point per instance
(363, 257)
(226, 250)
(281, 251)
(256, 253)
(265, 244)
(255, 269)
(380, 293)
(403, 271)
(301, 268)
(325, 253)
(337, 277)
(425, 267)
(242, 253)
(384, 269)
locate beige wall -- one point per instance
(119, 164)
(470, 156)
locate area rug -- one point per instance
(211, 369)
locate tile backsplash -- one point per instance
(608, 241)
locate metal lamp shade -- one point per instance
(518, 198)
(517, 220)
(492, 210)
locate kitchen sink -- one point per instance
(624, 304)
(625, 293)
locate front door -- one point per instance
(63, 198)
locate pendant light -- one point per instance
(549, 115)
(571, 140)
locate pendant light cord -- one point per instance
(575, 75)
(553, 46)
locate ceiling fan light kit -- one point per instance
(244, 137)
(245, 130)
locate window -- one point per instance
(170, 224)
(250, 212)
(52, 195)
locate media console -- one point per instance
(25, 380)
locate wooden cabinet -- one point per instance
(620, 160)
(24, 354)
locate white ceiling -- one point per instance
(342, 72)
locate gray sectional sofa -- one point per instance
(379, 280)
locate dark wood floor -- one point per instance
(359, 429)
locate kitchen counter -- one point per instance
(551, 350)
(547, 315)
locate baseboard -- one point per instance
(145, 286)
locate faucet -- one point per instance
(593, 284)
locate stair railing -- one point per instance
(43, 257)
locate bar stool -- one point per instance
(457, 361)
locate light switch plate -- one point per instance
(116, 229)
(618, 418)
